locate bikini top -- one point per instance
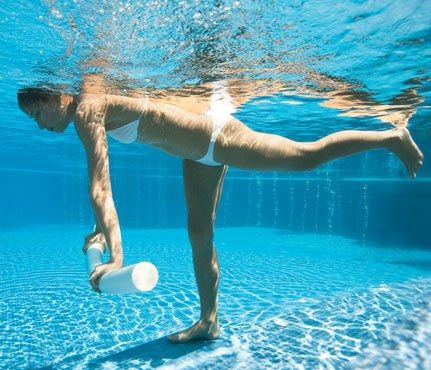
(128, 133)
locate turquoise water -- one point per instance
(322, 269)
(286, 301)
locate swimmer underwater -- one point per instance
(209, 139)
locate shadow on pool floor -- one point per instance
(156, 351)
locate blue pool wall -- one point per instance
(148, 192)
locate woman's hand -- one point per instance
(94, 237)
(101, 270)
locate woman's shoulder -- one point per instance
(92, 99)
(91, 106)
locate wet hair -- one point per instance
(29, 96)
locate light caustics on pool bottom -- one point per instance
(286, 301)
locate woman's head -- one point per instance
(51, 109)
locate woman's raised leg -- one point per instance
(203, 188)
(242, 147)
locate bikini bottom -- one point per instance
(219, 121)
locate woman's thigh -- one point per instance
(242, 147)
(202, 187)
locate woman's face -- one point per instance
(50, 115)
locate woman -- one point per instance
(208, 143)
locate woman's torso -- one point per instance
(160, 125)
(174, 123)
(175, 131)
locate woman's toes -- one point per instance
(418, 166)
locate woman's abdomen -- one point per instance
(175, 131)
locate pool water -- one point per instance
(286, 301)
(326, 269)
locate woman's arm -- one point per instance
(89, 124)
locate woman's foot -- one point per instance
(202, 330)
(407, 151)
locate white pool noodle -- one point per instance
(94, 256)
(139, 277)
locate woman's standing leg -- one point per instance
(203, 187)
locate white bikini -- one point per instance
(220, 110)
(128, 133)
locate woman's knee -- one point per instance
(200, 231)
(303, 158)
(310, 155)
